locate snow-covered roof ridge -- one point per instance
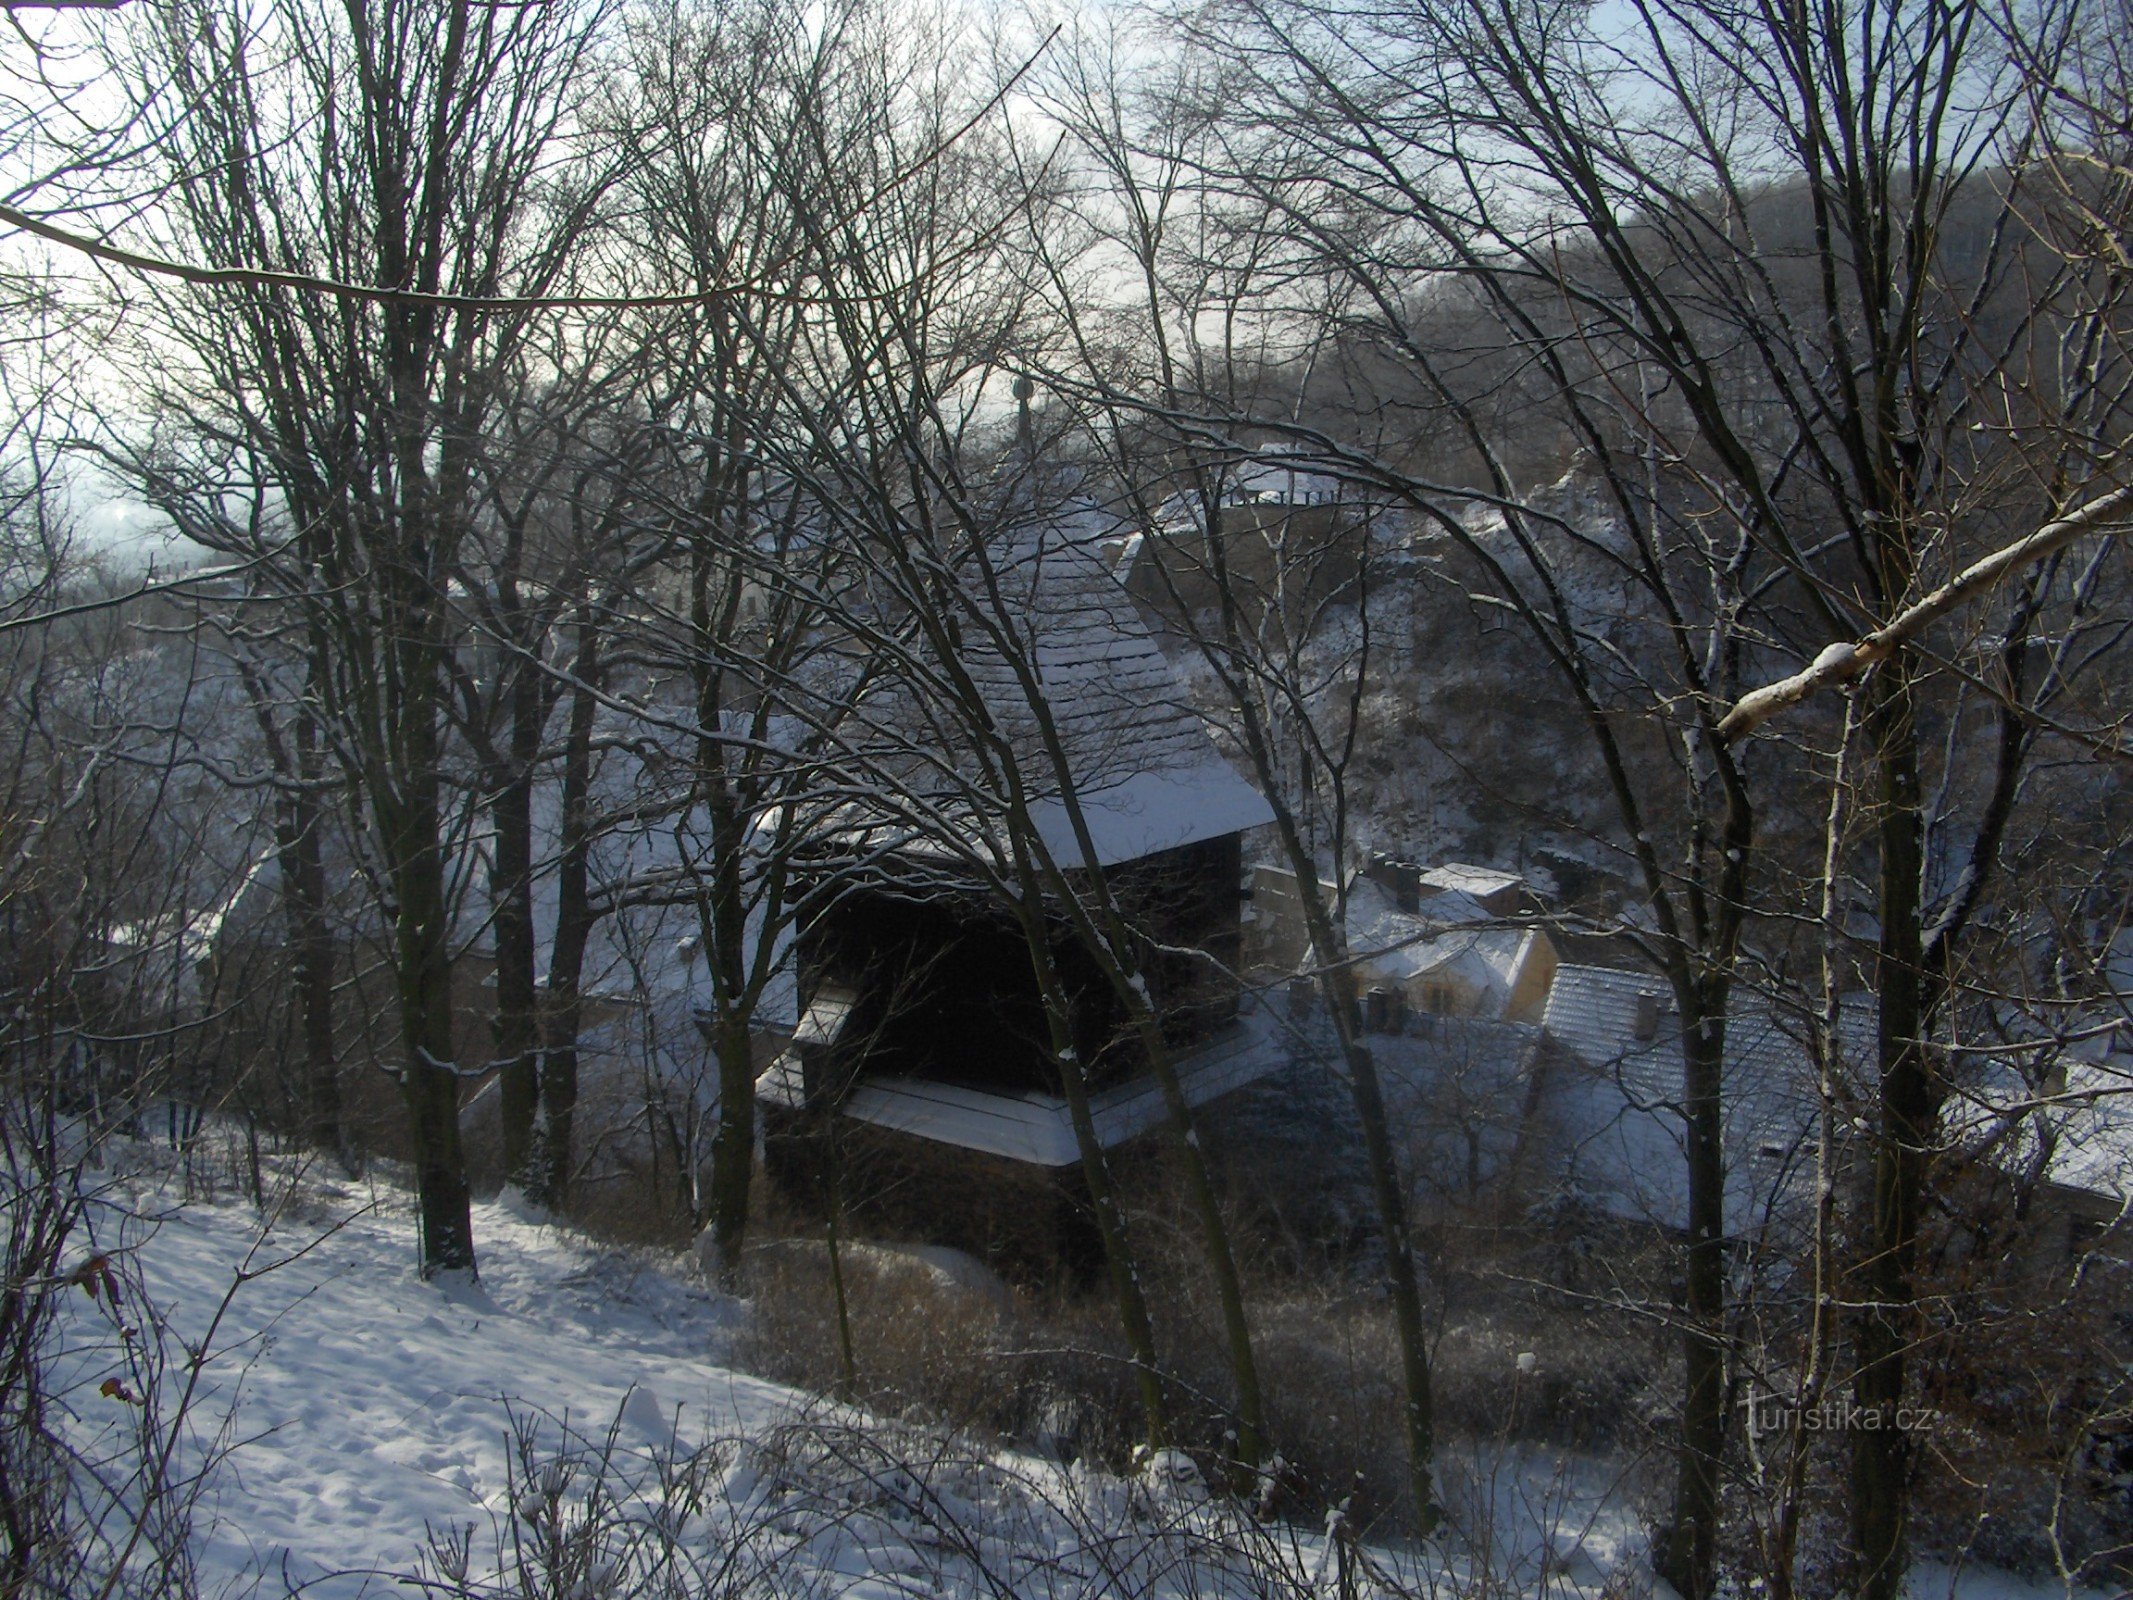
(1459, 877)
(1441, 929)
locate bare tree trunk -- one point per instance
(733, 1144)
(1692, 1544)
(1252, 1441)
(511, 895)
(410, 818)
(1419, 1412)
(1909, 1111)
(1381, 1164)
(549, 1173)
(725, 917)
(429, 1083)
(299, 852)
(833, 1240)
(304, 878)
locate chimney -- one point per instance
(1649, 1008)
(1400, 879)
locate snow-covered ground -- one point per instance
(372, 1420)
(368, 1406)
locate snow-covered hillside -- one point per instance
(572, 1418)
(367, 1405)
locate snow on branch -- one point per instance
(1842, 662)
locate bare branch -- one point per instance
(1842, 662)
(383, 294)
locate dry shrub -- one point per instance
(1586, 1380)
(951, 1346)
(2028, 1463)
(1043, 1364)
(1332, 1369)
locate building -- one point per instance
(2046, 1153)
(1616, 1102)
(1421, 944)
(1290, 539)
(922, 1079)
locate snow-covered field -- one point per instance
(570, 1423)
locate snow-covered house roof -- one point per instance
(1476, 883)
(166, 954)
(1450, 937)
(1277, 477)
(2091, 1128)
(2076, 1131)
(1621, 1116)
(646, 876)
(1140, 762)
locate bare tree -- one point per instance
(723, 105)
(1162, 389)
(414, 147)
(560, 521)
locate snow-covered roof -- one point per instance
(1274, 478)
(1034, 1127)
(2118, 966)
(1140, 762)
(2092, 1127)
(826, 1014)
(1456, 877)
(188, 936)
(1630, 1104)
(1449, 936)
(646, 860)
(1596, 1013)
(2081, 1124)
(1622, 1115)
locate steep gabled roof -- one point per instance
(1139, 760)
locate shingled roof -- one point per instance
(1140, 761)
(1622, 1114)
